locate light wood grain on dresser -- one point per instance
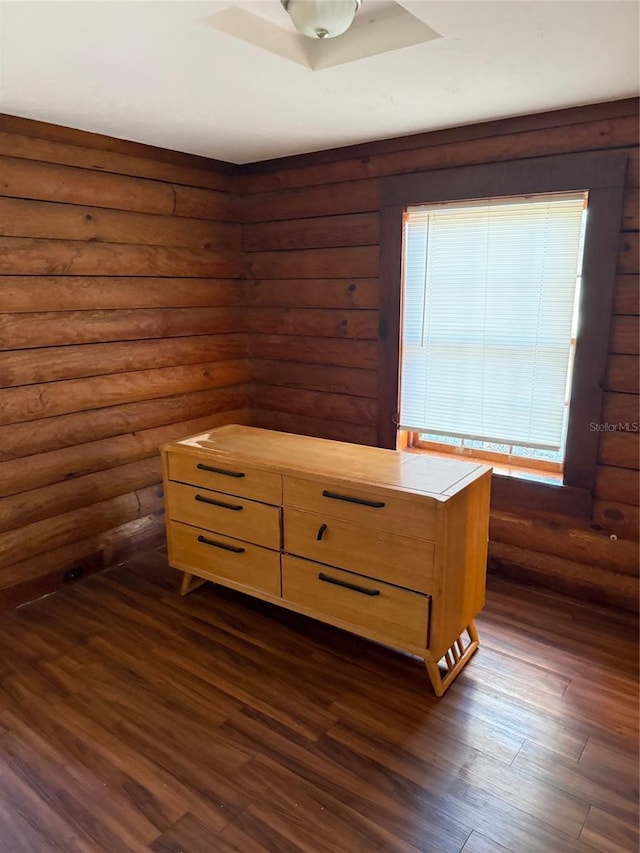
(376, 609)
(226, 476)
(238, 517)
(376, 553)
(218, 558)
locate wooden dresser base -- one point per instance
(455, 659)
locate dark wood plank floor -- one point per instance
(132, 719)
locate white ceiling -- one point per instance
(165, 73)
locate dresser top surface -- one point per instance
(285, 453)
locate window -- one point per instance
(601, 175)
(490, 295)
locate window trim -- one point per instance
(602, 174)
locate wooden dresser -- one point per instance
(391, 546)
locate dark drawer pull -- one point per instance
(220, 471)
(203, 500)
(353, 586)
(222, 545)
(374, 504)
(321, 531)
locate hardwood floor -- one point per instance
(132, 719)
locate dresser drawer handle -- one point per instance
(222, 545)
(321, 531)
(220, 471)
(203, 500)
(374, 504)
(353, 586)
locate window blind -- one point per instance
(488, 305)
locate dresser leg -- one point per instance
(190, 582)
(454, 659)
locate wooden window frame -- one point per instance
(602, 174)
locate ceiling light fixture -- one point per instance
(321, 19)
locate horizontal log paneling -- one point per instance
(38, 504)
(23, 294)
(568, 506)
(359, 262)
(64, 153)
(617, 518)
(620, 409)
(313, 293)
(625, 335)
(29, 579)
(75, 395)
(121, 326)
(590, 136)
(633, 168)
(620, 449)
(320, 350)
(18, 331)
(354, 197)
(617, 484)
(43, 219)
(204, 204)
(68, 430)
(59, 530)
(628, 253)
(596, 583)
(319, 427)
(357, 324)
(357, 229)
(30, 366)
(46, 182)
(66, 184)
(631, 210)
(68, 463)
(315, 377)
(341, 407)
(581, 546)
(23, 256)
(623, 374)
(627, 295)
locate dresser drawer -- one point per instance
(230, 477)
(377, 553)
(382, 611)
(415, 518)
(238, 517)
(210, 555)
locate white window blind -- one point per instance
(488, 306)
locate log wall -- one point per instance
(121, 326)
(312, 243)
(124, 323)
